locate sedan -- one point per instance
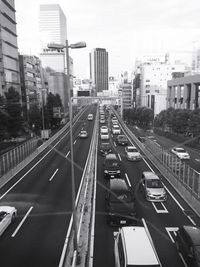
(83, 134)
(132, 153)
(7, 215)
(104, 129)
(122, 140)
(187, 242)
(104, 136)
(105, 148)
(181, 153)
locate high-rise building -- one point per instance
(53, 29)
(99, 69)
(9, 62)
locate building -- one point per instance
(154, 74)
(127, 95)
(99, 69)
(9, 62)
(53, 29)
(184, 92)
(31, 82)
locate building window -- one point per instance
(147, 86)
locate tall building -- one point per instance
(99, 69)
(31, 81)
(53, 29)
(9, 62)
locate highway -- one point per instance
(41, 192)
(162, 219)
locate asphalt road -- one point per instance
(162, 219)
(42, 195)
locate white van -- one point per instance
(134, 247)
(90, 117)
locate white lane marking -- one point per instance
(74, 142)
(160, 211)
(182, 259)
(67, 154)
(53, 175)
(32, 167)
(115, 144)
(126, 175)
(191, 220)
(22, 221)
(119, 157)
(174, 199)
(171, 229)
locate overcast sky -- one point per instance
(125, 28)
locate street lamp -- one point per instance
(72, 46)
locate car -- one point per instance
(90, 117)
(104, 129)
(105, 148)
(116, 129)
(132, 153)
(120, 203)
(152, 138)
(102, 121)
(114, 120)
(187, 241)
(141, 139)
(181, 153)
(122, 140)
(83, 134)
(104, 136)
(7, 216)
(133, 247)
(111, 166)
(153, 187)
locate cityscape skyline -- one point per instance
(145, 27)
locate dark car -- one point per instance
(120, 203)
(105, 148)
(187, 242)
(122, 140)
(141, 139)
(111, 166)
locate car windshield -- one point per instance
(105, 146)
(120, 197)
(111, 163)
(180, 150)
(2, 215)
(132, 150)
(155, 183)
(121, 137)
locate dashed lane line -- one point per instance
(53, 175)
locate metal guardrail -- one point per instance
(184, 179)
(84, 207)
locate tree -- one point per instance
(180, 121)
(194, 122)
(3, 119)
(52, 102)
(13, 111)
(35, 119)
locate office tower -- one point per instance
(53, 29)
(9, 63)
(99, 69)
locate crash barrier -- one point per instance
(85, 205)
(184, 179)
(16, 159)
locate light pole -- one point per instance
(72, 46)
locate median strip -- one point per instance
(21, 223)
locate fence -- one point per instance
(13, 157)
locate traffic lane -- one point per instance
(43, 204)
(104, 239)
(162, 219)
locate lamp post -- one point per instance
(72, 46)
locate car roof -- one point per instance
(193, 232)
(130, 147)
(118, 184)
(150, 175)
(111, 156)
(137, 241)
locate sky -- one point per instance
(127, 29)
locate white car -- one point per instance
(116, 129)
(7, 215)
(102, 120)
(132, 153)
(181, 153)
(83, 134)
(104, 129)
(104, 136)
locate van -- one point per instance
(90, 117)
(120, 203)
(111, 166)
(134, 247)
